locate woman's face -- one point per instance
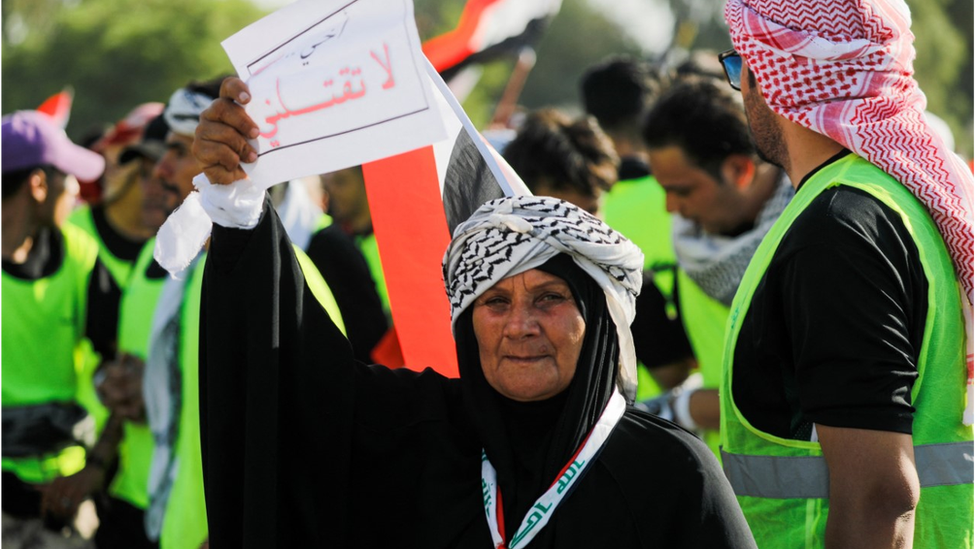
(529, 334)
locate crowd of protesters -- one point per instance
(805, 309)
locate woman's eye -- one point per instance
(552, 298)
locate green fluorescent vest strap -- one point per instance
(636, 208)
(185, 518)
(647, 387)
(324, 221)
(320, 289)
(806, 476)
(371, 252)
(135, 322)
(120, 269)
(137, 305)
(787, 479)
(704, 320)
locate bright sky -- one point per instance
(648, 22)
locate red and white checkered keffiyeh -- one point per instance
(843, 68)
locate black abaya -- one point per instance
(305, 447)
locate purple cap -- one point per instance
(30, 139)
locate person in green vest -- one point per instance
(161, 475)
(110, 224)
(116, 221)
(157, 493)
(845, 415)
(47, 271)
(345, 251)
(119, 383)
(619, 92)
(723, 199)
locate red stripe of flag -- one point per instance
(410, 225)
(452, 47)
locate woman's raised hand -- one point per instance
(220, 144)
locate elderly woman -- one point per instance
(534, 446)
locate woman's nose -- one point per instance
(522, 322)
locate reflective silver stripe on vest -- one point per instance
(806, 477)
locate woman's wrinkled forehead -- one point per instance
(508, 236)
(533, 283)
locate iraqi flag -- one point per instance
(487, 30)
(416, 200)
(58, 106)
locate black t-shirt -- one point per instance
(345, 270)
(834, 330)
(118, 244)
(632, 168)
(659, 340)
(104, 293)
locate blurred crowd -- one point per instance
(101, 407)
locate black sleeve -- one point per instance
(658, 339)
(855, 297)
(289, 417)
(102, 320)
(346, 272)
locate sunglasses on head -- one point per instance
(732, 63)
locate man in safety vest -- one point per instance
(340, 251)
(723, 200)
(47, 273)
(844, 392)
(161, 470)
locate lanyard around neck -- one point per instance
(539, 514)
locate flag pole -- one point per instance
(516, 82)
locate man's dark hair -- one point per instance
(618, 92)
(552, 149)
(210, 88)
(13, 180)
(704, 118)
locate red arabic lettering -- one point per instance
(388, 67)
(348, 93)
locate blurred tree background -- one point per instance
(119, 53)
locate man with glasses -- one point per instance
(844, 395)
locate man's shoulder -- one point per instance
(843, 211)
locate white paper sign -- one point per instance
(334, 84)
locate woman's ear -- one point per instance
(738, 170)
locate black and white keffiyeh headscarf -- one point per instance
(511, 235)
(182, 113)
